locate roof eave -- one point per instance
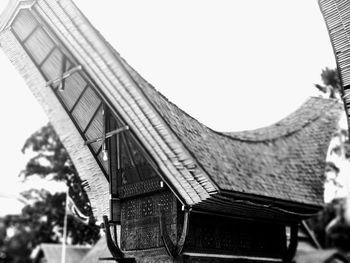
(289, 205)
(11, 10)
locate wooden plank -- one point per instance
(65, 75)
(39, 44)
(86, 109)
(24, 24)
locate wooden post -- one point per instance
(63, 255)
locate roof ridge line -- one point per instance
(234, 135)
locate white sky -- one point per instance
(231, 64)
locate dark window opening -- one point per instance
(127, 160)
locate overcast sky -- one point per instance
(233, 65)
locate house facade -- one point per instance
(166, 187)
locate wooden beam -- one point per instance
(174, 250)
(100, 105)
(181, 242)
(117, 253)
(64, 75)
(47, 56)
(169, 245)
(112, 245)
(108, 134)
(31, 33)
(293, 244)
(78, 99)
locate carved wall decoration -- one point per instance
(140, 220)
(138, 188)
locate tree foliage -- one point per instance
(42, 222)
(42, 219)
(331, 227)
(52, 161)
(331, 83)
(331, 87)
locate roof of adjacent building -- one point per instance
(326, 256)
(284, 162)
(53, 252)
(99, 250)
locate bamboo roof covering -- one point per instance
(284, 162)
(336, 14)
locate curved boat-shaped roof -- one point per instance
(283, 163)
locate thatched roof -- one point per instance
(282, 165)
(99, 250)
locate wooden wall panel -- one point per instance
(51, 67)
(39, 45)
(73, 87)
(86, 108)
(140, 220)
(95, 130)
(138, 188)
(24, 24)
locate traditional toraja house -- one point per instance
(167, 187)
